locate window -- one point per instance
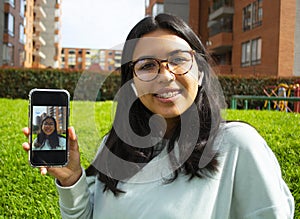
(57, 13)
(9, 24)
(21, 34)
(252, 15)
(72, 60)
(256, 52)
(57, 25)
(251, 52)
(8, 54)
(157, 9)
(257, 13)
(56, 38)
(22, 7)
(247, 18)
(246, 53)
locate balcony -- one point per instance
(40, 2)
(39, 12)
(39, 54)
(39, 41)
(223, 25)
(39, 26)
(220, 43)
(221, 8)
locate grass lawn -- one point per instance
(24, 193)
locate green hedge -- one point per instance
(16, 83)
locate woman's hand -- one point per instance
(69, 174)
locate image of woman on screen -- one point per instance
(47, 137)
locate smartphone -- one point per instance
(48, 124)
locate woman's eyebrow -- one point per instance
(145, 57)
(155, 57)
(176, 51)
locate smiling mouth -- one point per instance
(167, 95)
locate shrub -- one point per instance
(16, 83)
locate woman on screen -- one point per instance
(48, 138)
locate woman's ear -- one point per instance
(200, 77)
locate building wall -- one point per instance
(16, 46)
(297, 41)
(279, 51)
(51, 35)
(38, 28)
(28, 47)
(75, 58)
(91, 59)
(286, 39)
(269, 34)
(1, 28)
(108, 60)
(180, 8)
(198, 18)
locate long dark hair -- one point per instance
(42, 137)
(207, 108)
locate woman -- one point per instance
(48, 138)
(169, 154)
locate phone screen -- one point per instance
(49, 113)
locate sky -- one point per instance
(98, 24)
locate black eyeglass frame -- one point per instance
(160, 61)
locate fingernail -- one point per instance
(43, 171)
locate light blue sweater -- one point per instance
(247, 185)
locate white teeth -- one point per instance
(167, 95)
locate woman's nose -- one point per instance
(165, 75)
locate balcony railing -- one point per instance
(39, 11)
(39, 26)
(221, 3)
(220, 28)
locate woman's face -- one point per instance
(167, 94)
(48, 126)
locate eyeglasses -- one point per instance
(178, 63)
(48, 123)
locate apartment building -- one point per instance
(107, 59)
(52, 34)
(75, 58)
(1, 29)
(43, 33)
(249, 37)
(12, 32)
(83, 58)
(30, 33)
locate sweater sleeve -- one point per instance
(259, 190)
(76, 201)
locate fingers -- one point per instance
(43, 170)
(72, 138)
(26, 146)
(25, 131)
